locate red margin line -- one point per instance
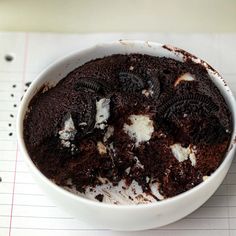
(23, 82)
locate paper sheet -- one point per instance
(24, 209)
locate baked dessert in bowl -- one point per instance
(132, 129)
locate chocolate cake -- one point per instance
(142, 127)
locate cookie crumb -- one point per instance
(99, 197)
(27, 84)
(9, 57)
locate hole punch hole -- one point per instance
(9, 57)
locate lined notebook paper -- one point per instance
(24, 209)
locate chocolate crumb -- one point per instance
(9, 58)
(27, 84)
(99, 197)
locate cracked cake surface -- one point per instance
(129, 129)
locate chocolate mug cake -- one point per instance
(129, 128)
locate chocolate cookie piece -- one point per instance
(92, 84)
(191, 119)
(187, 104)
(132, 83)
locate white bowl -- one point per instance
(125, 217)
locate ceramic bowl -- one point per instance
(125, 217)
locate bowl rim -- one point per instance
(177, 51)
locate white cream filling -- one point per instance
(82, 124)
(103, 113)
(147, 92)
(101, 148)
(155, 190)
(138, 163)
(184, 77)
(205, 177)
(68, 132)
(192, 158)
(183, 154)
(131, 68)
(141, 128)
(109, 133)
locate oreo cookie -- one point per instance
(93, 85)
(130, 82)
(188, 104)
(192, 119)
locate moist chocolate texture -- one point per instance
(133, 118)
